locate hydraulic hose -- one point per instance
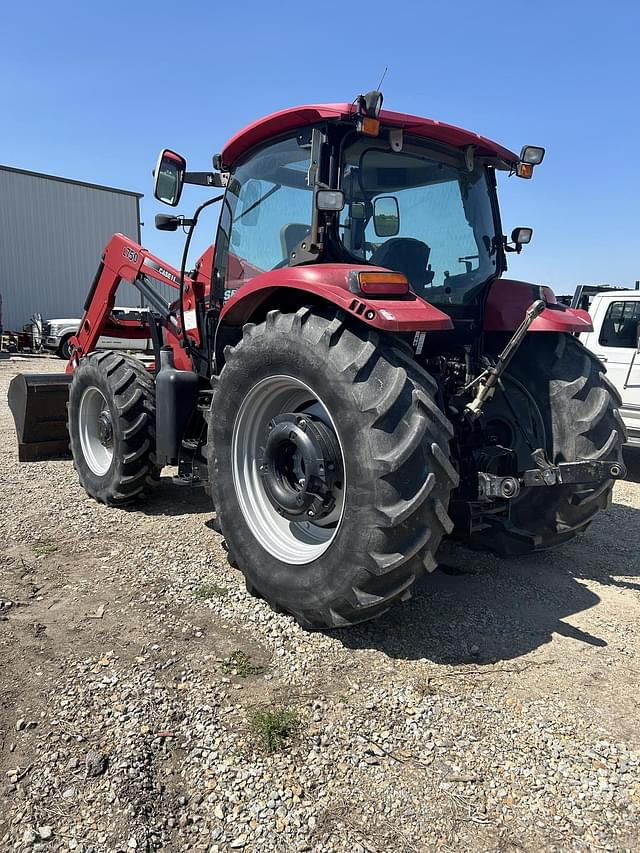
(183, 264)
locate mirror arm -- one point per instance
(171, 223)
(207, 179)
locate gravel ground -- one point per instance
(496, 710)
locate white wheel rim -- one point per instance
(97, 456)
(292, 542)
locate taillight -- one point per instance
(383, 283)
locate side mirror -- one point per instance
(169, 177)
(386, 216)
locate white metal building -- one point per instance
(52, 234)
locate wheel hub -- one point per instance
(105, 429)
(300, 466)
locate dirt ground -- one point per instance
(496, 710)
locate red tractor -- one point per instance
(347, 370)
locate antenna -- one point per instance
(384, 74)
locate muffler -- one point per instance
(38, 403)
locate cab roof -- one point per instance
(280, 122)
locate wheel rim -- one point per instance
(96, 430)
(290, 541)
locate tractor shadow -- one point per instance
(480, 609)
(171, 499)
(477, 608)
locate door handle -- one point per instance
(603, 358)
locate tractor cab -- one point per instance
(415, 209)
(357, 185)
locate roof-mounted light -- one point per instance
(370, 104)
(369, 107)
(530, 156)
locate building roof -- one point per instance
(69, 181)
(295, 117)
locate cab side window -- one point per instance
(620, 325)
(267, 211)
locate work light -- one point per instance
(532, 154)
(370, 104)
(520, 236)
(329, 199)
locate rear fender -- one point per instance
(329, 283)
(508, 300)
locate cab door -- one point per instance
(616, 343)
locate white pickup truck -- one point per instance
(616, 341)
(57, 333)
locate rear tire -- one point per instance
(111, 421)
(394, 447)
(580, 419)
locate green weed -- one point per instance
(239, 663)
(273, 726)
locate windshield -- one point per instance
(421, 213)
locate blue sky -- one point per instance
(93, 91)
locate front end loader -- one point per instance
(347, 369)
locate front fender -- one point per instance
(330, 283)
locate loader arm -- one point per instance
(125, 260)
(38, 402)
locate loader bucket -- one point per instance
(38, 403)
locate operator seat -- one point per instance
(406, 255)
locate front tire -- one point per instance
(374, 416)
(576, 408)
(111, 422)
